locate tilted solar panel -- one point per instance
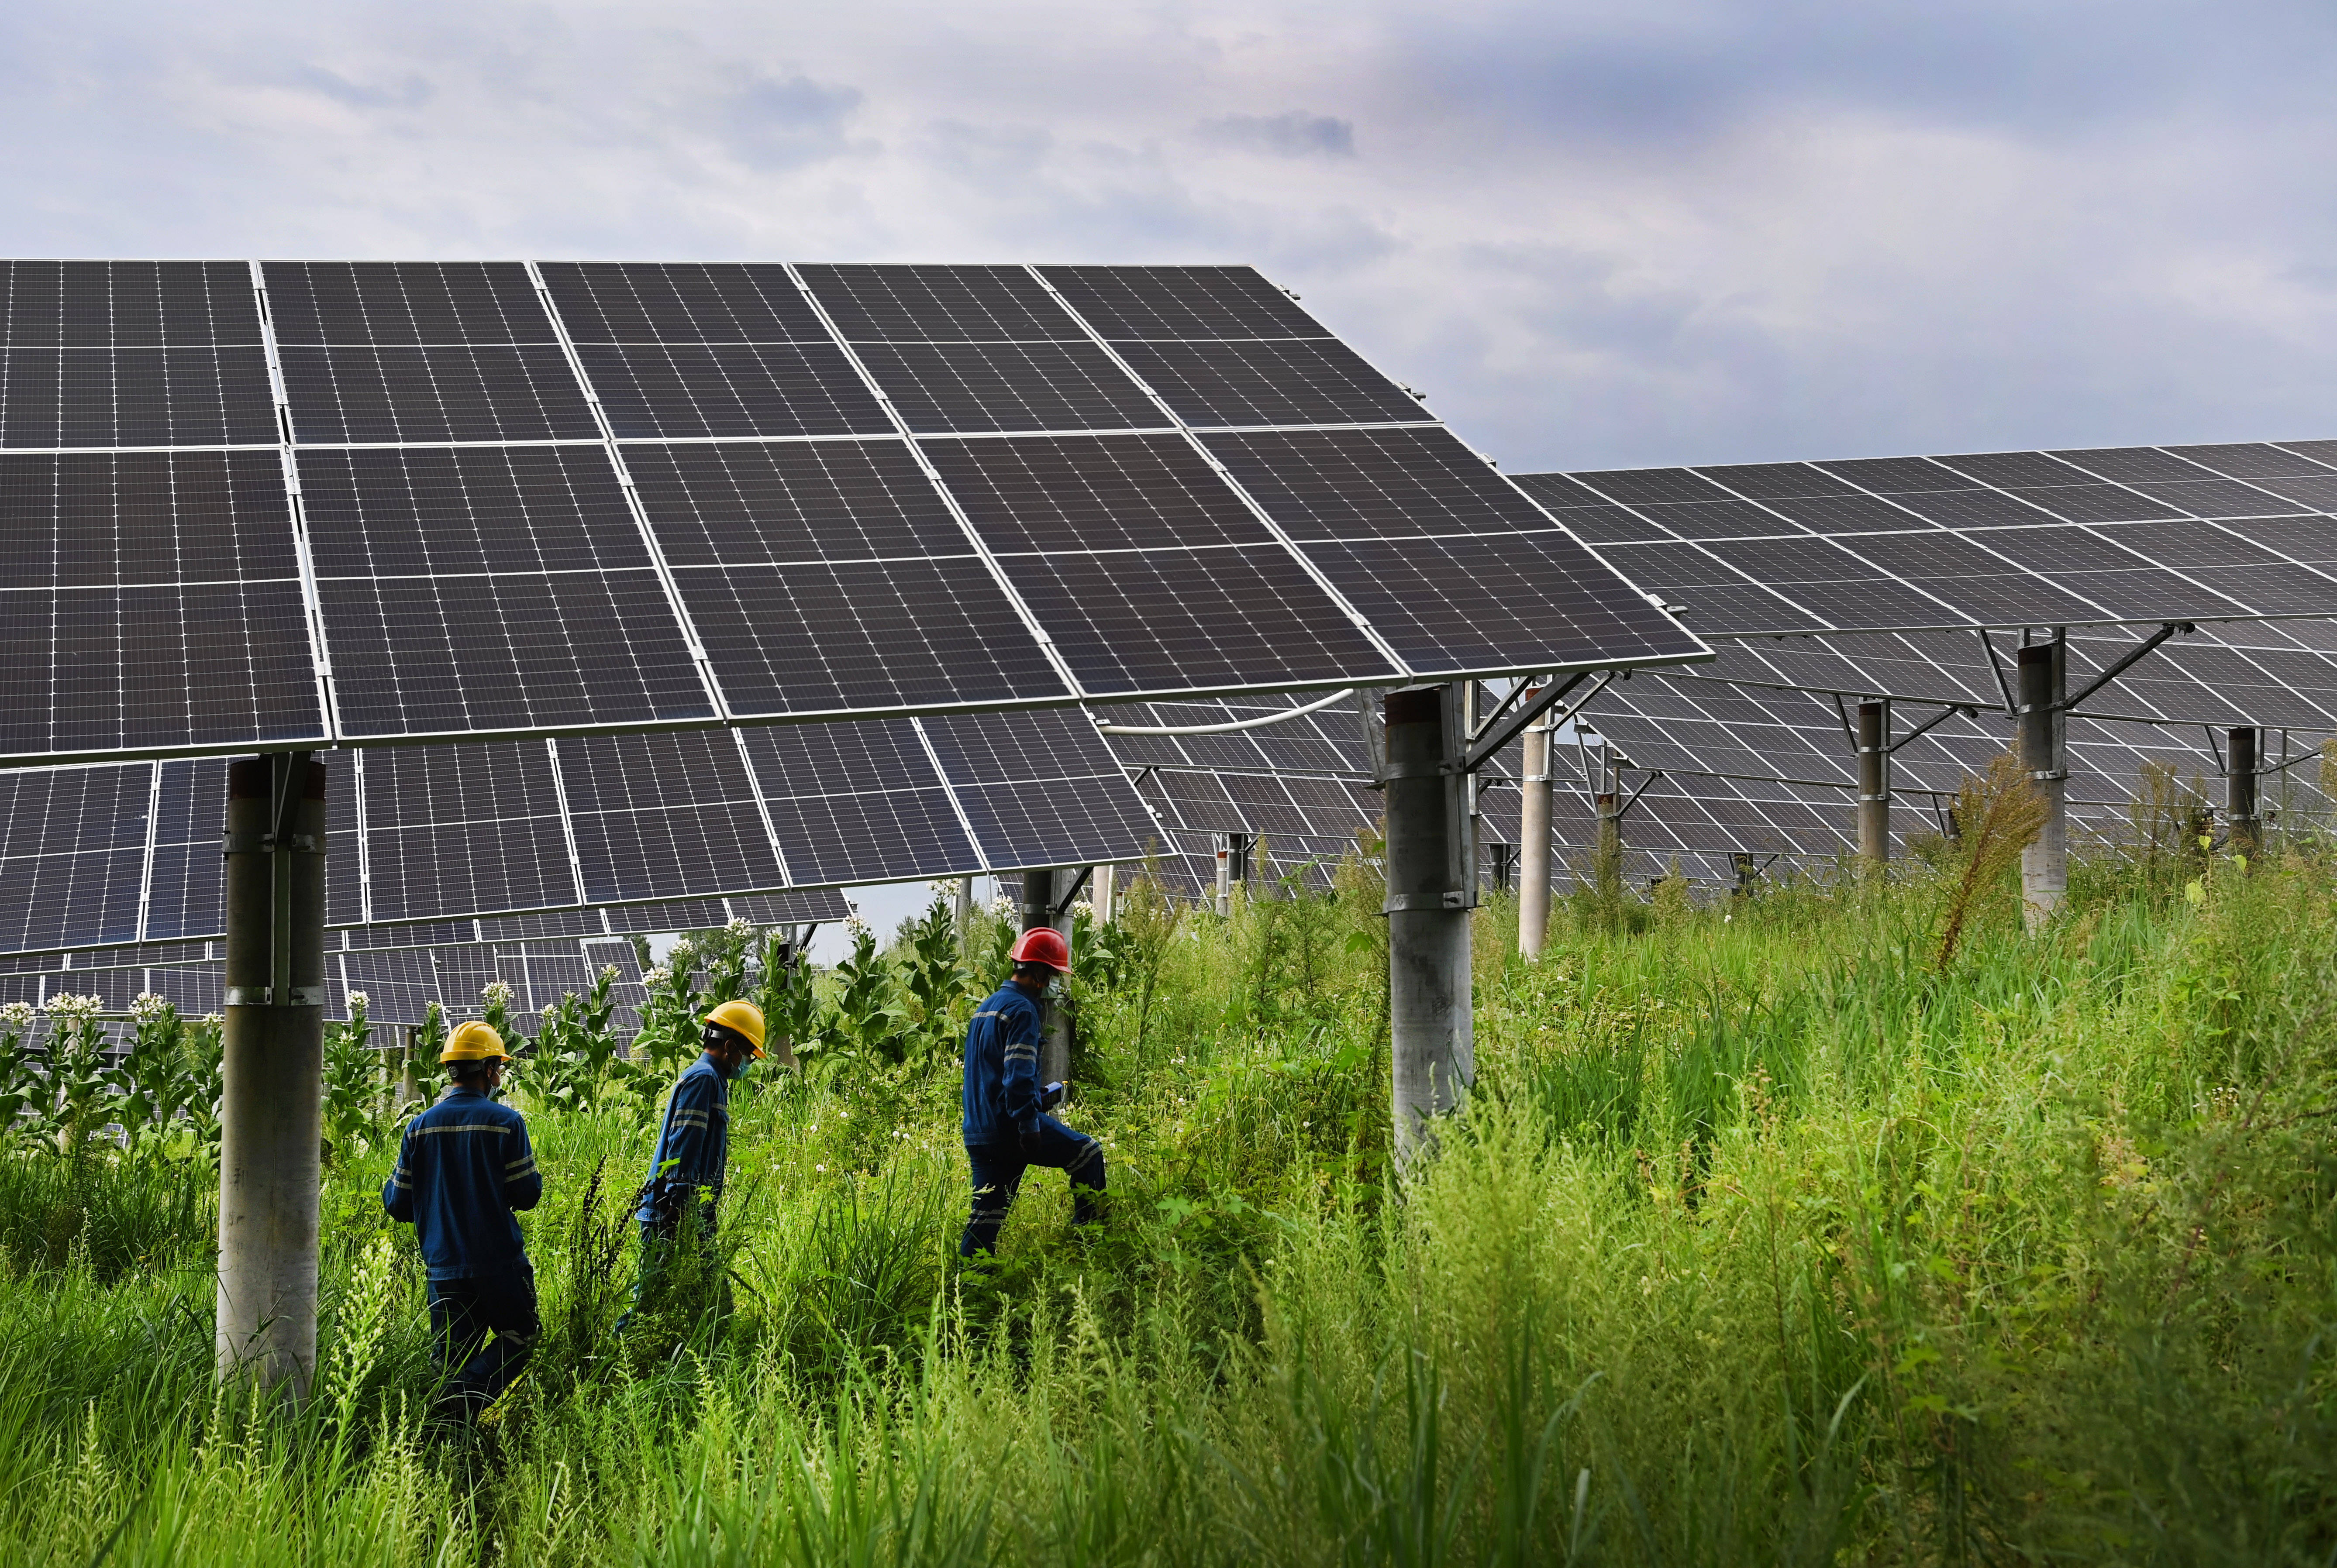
(556, 832)
(419, 502)
(2005, 540)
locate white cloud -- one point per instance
(1594, 234)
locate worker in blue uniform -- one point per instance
(1006, 1126)
(464, 1167)
(693, 1146)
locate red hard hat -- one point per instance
(1043, 945)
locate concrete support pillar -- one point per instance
(1233, 868)
(1430, 1036)
(1100, 891)
(2045, 865)
(272, 1071)
(1043, 889)
(1607, 846)
(961, 907)
(1533, 841)
(2242, 754)
(1874, 782)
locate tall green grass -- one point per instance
(1764, 1239)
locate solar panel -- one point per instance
(132, 354)
(551, 833)
(2009, 538)
(421, 501)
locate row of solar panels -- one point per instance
(112, 854)
(309, 502)
(1746, 769)
(1989, 539)
(401, 970)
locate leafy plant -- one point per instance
(22, 1088)
(785, 992)
(79, 1086)
(869, 1020)
(148, 1088)
(936, 981)
(353, 1084)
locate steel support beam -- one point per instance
(2045, 863)
(272, 1072)
(2243, 759)
(1874, 782)
(1429, 892)
(1046, 901)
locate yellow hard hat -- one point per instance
(743, 1018)
(473, 1042)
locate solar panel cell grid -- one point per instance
(2251, 460)
(1157, 303)
(1239, 610)
(1775, 480)
(2219, 498)
(654, 302)
(199, 637)
(404, 302)
(389, 392)
(491, 588)
(1280, 380)
(1457, 605)
(1631, 486)
(1373, 483)
(1894, 475)
(911, 304)
(190, 396)
(661, 815)
(939, 388)
(689, 391)
(115, 304)
(1092, 493)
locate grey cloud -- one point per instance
(1599, 231)
(778, 123)
(410, 91)
(1292, 135)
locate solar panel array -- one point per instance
(2277, 675)
(401, 970)
(2007, 539)
(324, 502)
(120, 853)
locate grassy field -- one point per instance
(1768, 1237)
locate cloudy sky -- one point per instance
(1595, 234)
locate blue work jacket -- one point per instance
(1002, 1067)
(463, 1166)
(695, 1138)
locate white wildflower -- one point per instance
(147, 1008)
(854, 926)
(359, 999)
(608, 971)
(496, 994)
(742, 928)
(65, 1005)
(656, 976)
(1002, 906)
(684, 949)
(821, 1169)
(1084, 907)
(16, 1015)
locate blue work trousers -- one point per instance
(463, 1314)
(998, 1170)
